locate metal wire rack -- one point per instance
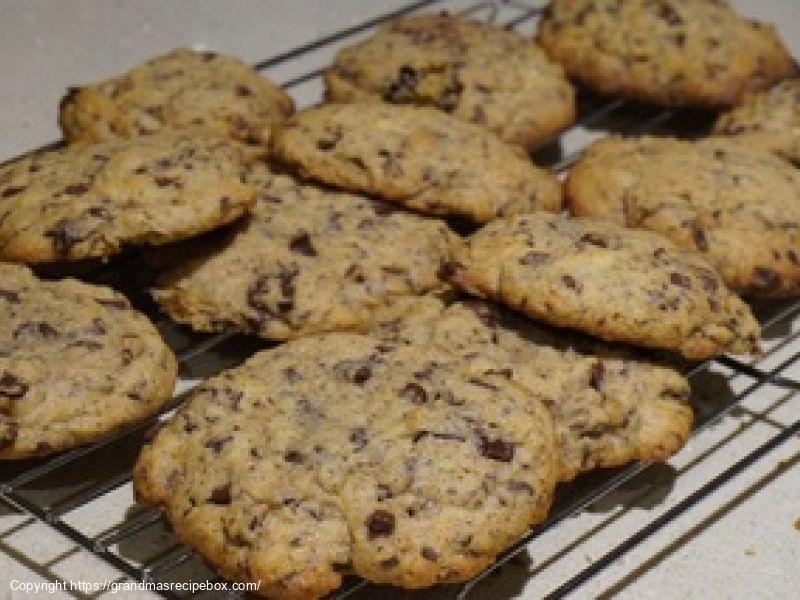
(59, 490)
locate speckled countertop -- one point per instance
(741, 541)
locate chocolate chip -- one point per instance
(483, 384)
(594, 239)
(765, 279)
(221, 495)
(496, 449)
(699, 237)
(115, 303)
(162, 182)
(216, 444)
(520, 486)
(10, 296)
(532, 259)
(354, 371)
(380, 523)
(403, 87)
(301, 244)
(293, 456)
(76, 190)
(598, 372)
(390, 563)
(329, 143)
(64, 235)
(571, 283)
(292, 375)
(429, 553)
(414, 393)
(243, 91)
(358, 437)
(11, 387)
(35, 329)
(423, 433)
(681, 280)
(10, 191)
(208, 56)
(362, 374)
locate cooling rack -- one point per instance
(69, 492)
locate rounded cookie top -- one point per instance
(737, 205)
(178, 90)
(89, 200)
(669, 52)
(308, 260)
(475, 71)
(346, 451)
(76, 362)
(767, 119)
(418, 157)
(610, 405)
(615, 283)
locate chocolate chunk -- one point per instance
(483, 384)
(35, 329)
(765, 279)
(571, 283)
(429, 553)
(520, 486)
(533, 259)
(10, 191)
(380, 523)
(452, 437)
(681, 280)
(293, 456)
(594, 239)
(414, 393)
(216, 444)
(221, 495)
(390, 563)
(496, 449)
(354, 371)
(11, 387)
(115, 303)
(76, 190)
(358, 437)
(64, 235)
(362, 374)
(403, 87)
(242, 91)
(598, 372)
(301, 244)
(10, 296)
(699, 237)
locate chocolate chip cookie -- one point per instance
(308, 260)
(731, 201)
(768, 119)
(669, 52)
(418, 157)
(181, 89)
(349, 452)
(617, 284)
(90, 200)
(610, 405)
(477, 72)
(76, 362)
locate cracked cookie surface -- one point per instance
(475, 71)
(617, 284)
(417, 157)
(669, 52)
(767, 119)
(90, 200)
(350, 452)
(308, 260)
(76, 362)
(610, 405)
(179, 90)
(732, 202)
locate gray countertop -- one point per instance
(741, 541)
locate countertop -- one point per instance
(742, 540)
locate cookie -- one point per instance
(668, 52)
(308, 260)
(182, 89)
(732, 202)
(477, 72)
(417, 157)
(609, 405)
(90, 200)
(768, 119)
(348, 452)
(618, 284)
(76, 362)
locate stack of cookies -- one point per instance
(460, 331)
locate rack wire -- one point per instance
(57, 490)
